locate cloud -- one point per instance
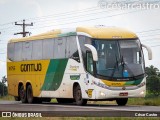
(37, 6)
(3, 2)
(2, 69)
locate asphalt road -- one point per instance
(55, 109)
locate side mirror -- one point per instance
(93, 51)
(149, 51)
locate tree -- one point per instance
(153, 80)
(3, 89)
(151, 70)
(154, 85)
(159, 74)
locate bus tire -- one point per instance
(22, 94)
(30, 97)
(122, 101)
(78, 96)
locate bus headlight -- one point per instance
(102, 93)
(142, 93)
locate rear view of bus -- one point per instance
(115, 58)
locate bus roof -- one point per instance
(93, 32)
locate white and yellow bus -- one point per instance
(77, 65)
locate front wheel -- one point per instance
(78, 96)
(122, 101)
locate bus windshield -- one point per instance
(119, 58)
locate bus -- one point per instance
(77, 65)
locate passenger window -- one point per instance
(18, 51)
(60, 49)
(10, 51)
(27, 50)
(48, 49)
(72, 49)
(37, 50)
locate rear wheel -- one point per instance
(30, 97)
(22, 94)
(122, 101)
(78, 96)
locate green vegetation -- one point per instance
(8, 97)
(54, 100)
(153, 81)
(144, 101)
(3, 89)
(155, 101)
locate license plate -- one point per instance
(123, 94)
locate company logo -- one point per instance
(74, 68)
(31, 67)
(74, 77)
(21, 114)
(6, 114)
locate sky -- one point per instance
(48, 15)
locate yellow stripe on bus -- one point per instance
(111, 83)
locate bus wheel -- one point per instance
(22, 94)
(30, 94)
(78, 96)
(122, 101)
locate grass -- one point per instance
(155, 101)
(8, 97)
(148, 101)
(54, 101)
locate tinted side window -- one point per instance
(27, 50)
(48, 49)
(84, 40)
(37, 50)
(72, 49)
(59, 50)
(18, 51)
(10, 51)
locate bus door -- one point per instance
(89, 75)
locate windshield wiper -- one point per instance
(129, 70)
(123, 64)
(115, 66)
